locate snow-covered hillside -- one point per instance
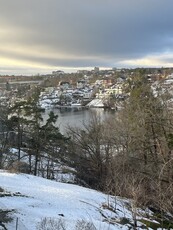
(29, 199)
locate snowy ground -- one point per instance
(32, 198)
(96, 103)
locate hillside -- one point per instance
(28, 199)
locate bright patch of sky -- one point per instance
(42, 36)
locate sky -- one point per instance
(41, 36)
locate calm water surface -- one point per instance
(77, 117)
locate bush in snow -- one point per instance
(83, 225)
(48, 223)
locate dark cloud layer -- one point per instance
(75, 33)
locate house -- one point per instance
(96, 69)
(88, 95)
(107, 82)
(49, 90)
(116, 90)
(64, 85)
(81, 84)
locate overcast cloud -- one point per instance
(44, 35)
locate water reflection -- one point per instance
(77, 116)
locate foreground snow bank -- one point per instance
(32, 198)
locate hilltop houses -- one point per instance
(62, 89)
